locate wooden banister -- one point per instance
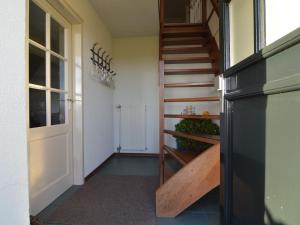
(215, 6)
(204, 8)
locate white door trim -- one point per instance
(75, 68)
(76, 21)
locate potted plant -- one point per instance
(195, 127)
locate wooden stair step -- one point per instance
(209, 139)
(185, 41)
(178, 31)
(208, 117)
(186, 60)
(199, 99)
(183, 24)
(183, 157)
(185, 50)
(188, 71)
(185, 85)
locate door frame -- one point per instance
(76, 71)
(231, 74)
(227, 71)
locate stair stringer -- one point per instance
(189, 184)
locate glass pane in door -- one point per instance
(37, 105)
(57, 38)
(57, 73)
(57, 108)
(37, 24)
(37, 66)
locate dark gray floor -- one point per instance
(204, 212)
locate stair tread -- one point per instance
(188, 71)
(176, 85)
(210, 139)
(199, 99)
(183, 157)
(185, 50)
(185, 41)
(182, 24)
(181, 31)
(209, 117)
(186, 60)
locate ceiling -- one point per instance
(125, 18)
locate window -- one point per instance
(282, 17)
(241, 30)
(47, 69)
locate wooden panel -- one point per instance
(185, 85)
(210, 139)
(189, 184)
(200, 99)
(212, 117)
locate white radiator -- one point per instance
(132, 128)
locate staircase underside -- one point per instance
(189, 184)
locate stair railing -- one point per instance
(215, 9)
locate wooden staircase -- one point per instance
(186, 46)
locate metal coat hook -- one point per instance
(106, 63)
(98, 57)
(109, 65)
(93, 53)
(101, 59)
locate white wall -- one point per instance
(97, 99)
(14, 201)
(281, 18)
(136, 62)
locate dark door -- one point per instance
(261, 136)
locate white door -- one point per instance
(50, 112)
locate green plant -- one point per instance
(195, 126)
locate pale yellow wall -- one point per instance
(241, 30)
(281, 18)
(136, 63)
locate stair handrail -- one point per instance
(214, 9)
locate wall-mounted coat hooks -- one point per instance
(102, 69)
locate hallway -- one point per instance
(205, 211)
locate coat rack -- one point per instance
(102, 69)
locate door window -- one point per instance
(241, 30)
(47, 69)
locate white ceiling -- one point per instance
(125, 18)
